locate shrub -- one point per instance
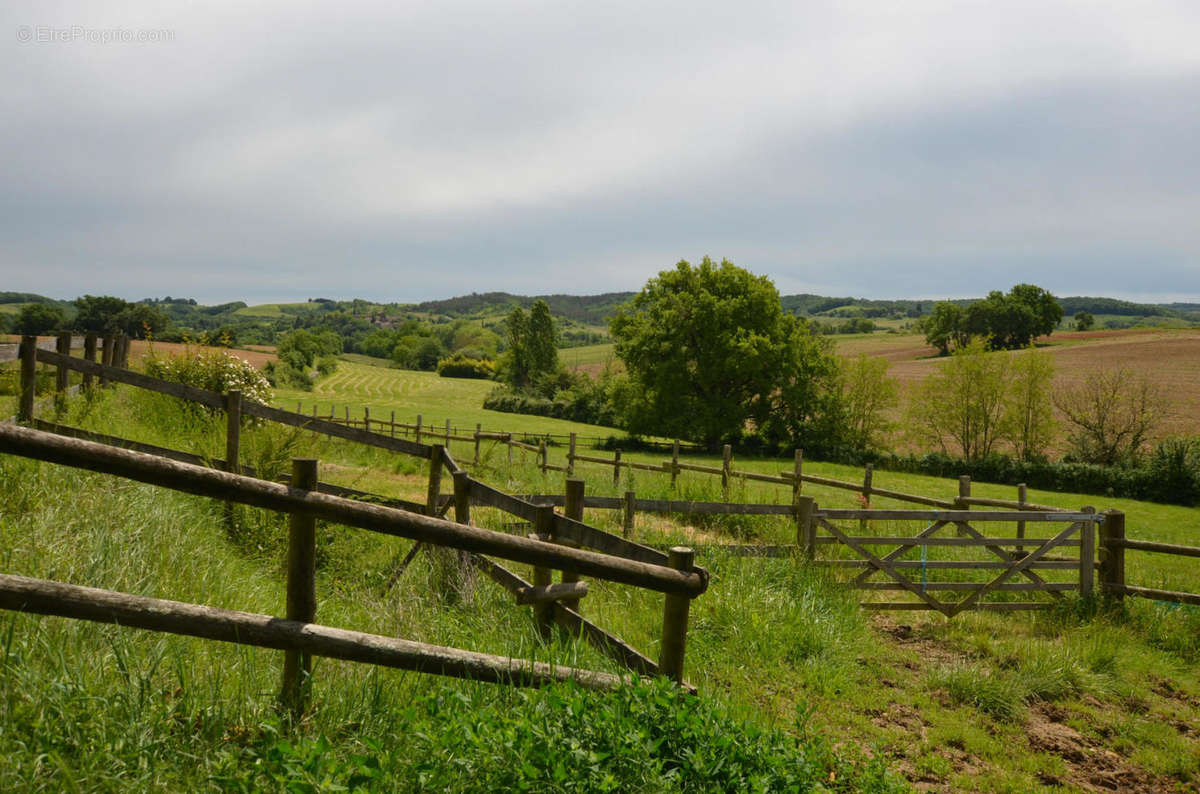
(214, 370)
(460, 365)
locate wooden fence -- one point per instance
(1111, 544)
(673, 573)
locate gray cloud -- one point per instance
(428, 150)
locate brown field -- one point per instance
(1170, 357)
(138, 350)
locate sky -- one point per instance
(410, 151)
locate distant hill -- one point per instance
(586, 309)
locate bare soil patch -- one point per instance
(138, 349)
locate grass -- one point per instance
(589, 356)
(780, 651)
(268, 310)
(356, 385)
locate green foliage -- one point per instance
(106, 314)
(1084, 321)
(943, 328)
(961, 405)
(647, 737)
(460, 366)
(38, 318)
(867, 394)
(214, 370)
(1005, 322)
(1028, 416)
(708, 350)
(302, 351)
(532, 346)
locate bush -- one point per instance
(460, 365)
(214, 370)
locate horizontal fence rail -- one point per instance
(258, 493)
(44, 597)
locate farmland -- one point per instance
(1072, 699)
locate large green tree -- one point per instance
(1004, 321)
(38, 319)
(98, 313)
(532, 345)
(709, 352)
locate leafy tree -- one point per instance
(961, 407)
(1047, 312)
(867, 394)
(532, 346)
(516, 359)
(1084, 321)
(38, 319)
(709, 349)
(98, 314)
(1112, 414)
(138, 320)
(1006, 322)
(1030, 418)
(542, 342)
(943, 327)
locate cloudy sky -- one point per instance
(405, 151)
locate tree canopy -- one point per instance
(709, 349)
(1004, 321)
(38, 318)
(532, 345)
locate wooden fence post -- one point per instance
(508, 443)
(726, 465)
(797, 479)
(367, 418)
(1112, 555)
(233, 440)
(478, 430)
(447, 432)
(543, 526)
(462, 515)
(964, 493)
(62, 376)
(806, 525)
(542, 455)
(573, 509)
(616, 467)
(1087, 555)
(28, 378)
(122, 352)
(627, 519)
(675, 619)
(674, 461)
(393, 424)
(1022, 493)
(301, 588)
(571, 457)
(435, 480)
(106, 355)
(347, 407)
(89, 353)
(417, 437)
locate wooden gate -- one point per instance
(1006, 558)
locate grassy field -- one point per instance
(1075, 699)
(383, 389)
(268, 310)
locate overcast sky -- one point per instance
(406, 151)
